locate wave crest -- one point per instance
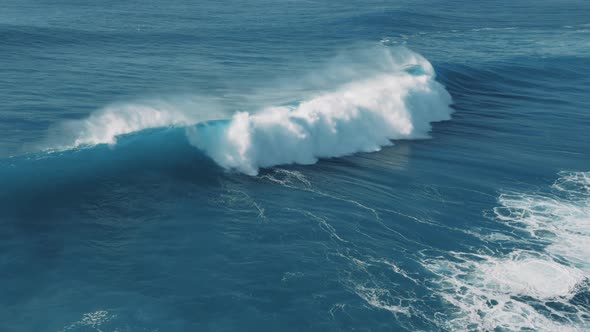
(389, 95)
(107, 124)
(362, 116)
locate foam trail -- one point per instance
(398, 102)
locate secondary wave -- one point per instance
(106, 125)
(362, 116)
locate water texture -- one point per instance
(294, 165)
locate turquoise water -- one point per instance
(295, 165)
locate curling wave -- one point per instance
(399, 102)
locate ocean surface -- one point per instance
(294, 165)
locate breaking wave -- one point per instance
(107, 124)
(380, 96)
(361, 116)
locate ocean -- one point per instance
(295, 165)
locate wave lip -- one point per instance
(105, 125)
(361, 116)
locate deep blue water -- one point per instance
(294, 165)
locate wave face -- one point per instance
(399, 102)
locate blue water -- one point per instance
(294, 165)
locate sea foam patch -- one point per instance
(527, 288)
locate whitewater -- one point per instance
(398, 101)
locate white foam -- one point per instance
(91, 320)
(488, 293)
(539, 277)
(514, 291)
(376, 297)
(561, 218)
(105, 125)
(361, 116)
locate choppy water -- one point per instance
(296, 165)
